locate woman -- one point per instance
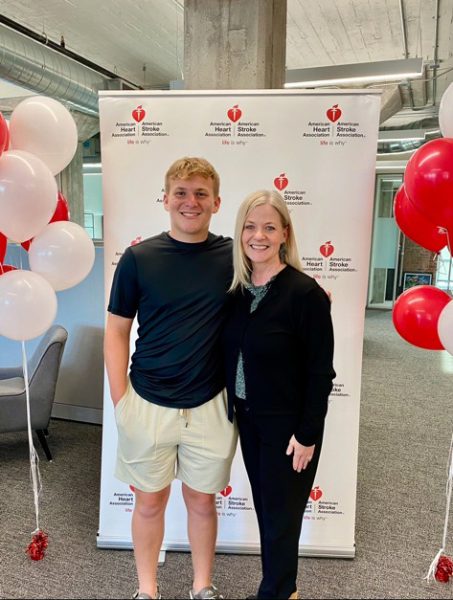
(278, 344)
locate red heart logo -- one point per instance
(131, 487)
(316, 493)
(334, 113)
(235, 113)
(138, 114)
(281, 182)
(227, 491)
(326, 249)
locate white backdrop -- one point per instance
(318, 148)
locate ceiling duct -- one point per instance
(33, 65)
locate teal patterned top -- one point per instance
(258, 292)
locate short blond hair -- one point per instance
(289, 254)
(192, 166)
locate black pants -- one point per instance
(280, 495)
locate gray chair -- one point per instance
(43, 368)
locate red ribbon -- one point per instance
(444, 569)
(36, 548)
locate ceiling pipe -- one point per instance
(38, 67)
(434, 65)
(406, 51)
(435, 52)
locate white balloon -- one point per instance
(445, 327)
(28, 305)
(28, 195)
(446, 112)
(46, 128)
(63, 253)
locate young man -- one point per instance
(170, 411)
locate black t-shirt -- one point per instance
(178, 292)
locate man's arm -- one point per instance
(116, 354)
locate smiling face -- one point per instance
(262, 236)
(191, 202)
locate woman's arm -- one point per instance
(316, 336)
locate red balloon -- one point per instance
(62, 210)
(3, 246)
(4, 134)
(6, 268)
(61, 213)
(415, 225)
(428, 180)
(416, 313)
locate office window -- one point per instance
(385, 247)
(92, 192)
(444, 275)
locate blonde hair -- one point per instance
(288, 253)
(192, 166)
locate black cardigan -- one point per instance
(287, 348)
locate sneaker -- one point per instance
(143, 596)
(207, 593)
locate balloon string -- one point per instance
(448, 240)
(448, 491)
(449, 488)
(433, 566)
(34, 459)
(444, 230)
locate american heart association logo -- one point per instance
(138, 114)
(326, 249)
(281, 182)
(316, 493)
(334, 113)
(234, 113)
(226, 491)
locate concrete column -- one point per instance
(234, 44)
(71, 178)
(71, 186)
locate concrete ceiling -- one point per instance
(142, 40)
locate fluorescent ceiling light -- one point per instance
(385, 70)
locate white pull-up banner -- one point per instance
(318, 148)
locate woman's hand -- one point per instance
(302, 455)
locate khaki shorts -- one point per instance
(157, 444)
